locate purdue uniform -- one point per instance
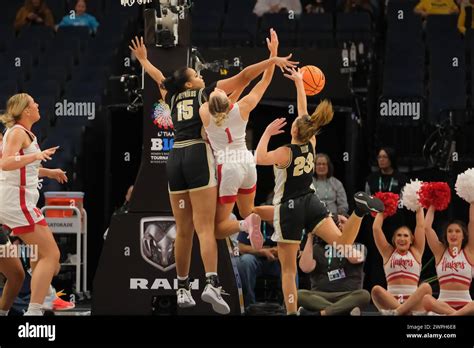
(190, 164)
(296, 205)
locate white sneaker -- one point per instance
(355, 312)
(185, 299)
(213, 296)
(388, 312)
(34, 313)
(436, 314)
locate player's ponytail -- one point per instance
(308, 126)
(15, 107)
(219, 109)
(176, 83)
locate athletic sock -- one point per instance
(183, 282)
(35, 309)
(3, 313)
(213, 279)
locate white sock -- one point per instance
(3, 313)
(243, 225)
(34, 309)
(183, 278)
(210, 274)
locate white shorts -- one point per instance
(236, 178)
(401, 292)
(455, 298)
(18, 209)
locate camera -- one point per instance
(132, 88)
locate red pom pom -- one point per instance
(437, 194)
(390, 202)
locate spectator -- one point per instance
(359, 6)
(387, 178)
(33, 12)
(80, 18)
(462, 15)
(329, 189)
(256, 263)
(336, 282)
(277, 6)
(436, 7)
(313, 6)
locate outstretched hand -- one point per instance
(294, 75)
(138, 48)
(273, 43)
(275, 127)
(285, 63)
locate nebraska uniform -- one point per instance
(454, 269)
(19, 192)
(236, 168)
(402, 266)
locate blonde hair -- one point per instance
(308, 126)
(15, 107)
(219, 108)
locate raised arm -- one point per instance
(280, 156)
(437, 248)
(419, 243)
(384, 247)
(307, 262)
(297, 77)
(139, 49)
(470, 227)
(251, 72)
(250, 101)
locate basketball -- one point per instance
(313, 79)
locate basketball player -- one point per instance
(225, 124)
(190, 169)
(296, 205)
(402, 265)
(454, 267)
(19, 194)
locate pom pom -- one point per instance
(465, 185)
(410, 197)
(390, 202)
(437, 194)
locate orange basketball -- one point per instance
(313, 79)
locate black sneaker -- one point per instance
(305, 312)
(366, 204)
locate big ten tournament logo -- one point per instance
(157, 237)
(163, 143)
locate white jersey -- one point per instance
(28, 175)
(228, 140)
(402, 266)
(454, 268)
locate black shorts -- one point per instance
(190, 167)
(294, 215)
